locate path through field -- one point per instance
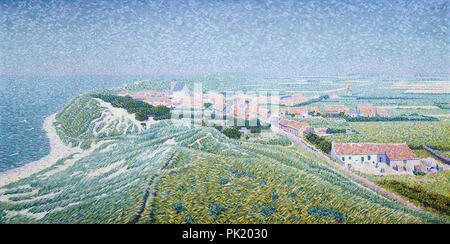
(356, 177)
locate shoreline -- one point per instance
(57, 150)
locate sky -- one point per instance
(197, 37)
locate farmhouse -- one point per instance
(366, 110)
(294, 99)
(298, 111)
(296, 128)
(321, 131)
(383, 113)
(335, 109)
(397, 156)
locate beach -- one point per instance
(57, 150)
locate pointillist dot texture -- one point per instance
(193, 37)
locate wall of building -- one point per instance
(362, 158)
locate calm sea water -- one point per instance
(26, 101)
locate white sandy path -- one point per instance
(57, 151)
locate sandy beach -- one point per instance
(57, 150)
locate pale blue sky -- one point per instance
(196, 37)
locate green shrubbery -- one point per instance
(334, 130)
(268, 210)
(322, 143)
(232, 132)
(327, 212)
(142, 110)
(418, 173)
(215, 209)
(420, 195)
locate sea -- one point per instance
(25, 101)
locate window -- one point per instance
(343, 158)
(349, 157)
(368, 157)
(362, 159)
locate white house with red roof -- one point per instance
(397, 156)
(296, 128)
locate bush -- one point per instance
(327, 212)
(178, 207)
(275, 196)
(142, 110)
(232, 132)
(322, 143)
(141, 116)
(268, 210)
(217, 127)
(223, 181)
(189, 220)
(418, 194)
(255, 130)
(215, 209)
(294, 218)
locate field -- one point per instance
(434, 134)
(433, 187)
(173, 172)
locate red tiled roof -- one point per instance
(336, 108)
(298, 110)
(294, 124)
(393, 151)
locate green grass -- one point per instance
(175, 173)
(415, 134)
(431, 191)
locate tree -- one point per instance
(141, 116)
(232, 132)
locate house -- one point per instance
(366, 110)
(155, 101)
(335, 109)
(298, 111)
(293, 100)
(296, 128)
(321, 131)
(397, 156)
(383, 113)
(179, 90)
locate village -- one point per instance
(280, 112)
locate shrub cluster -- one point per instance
(322, 143)
(327, 212)
(418, 194)
(142, 110)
